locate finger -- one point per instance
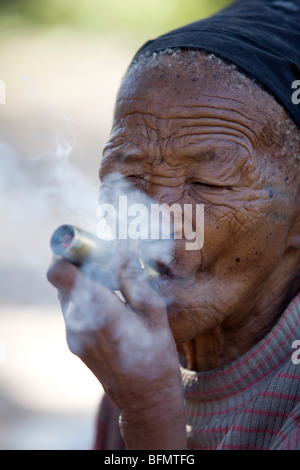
(73, 287)
(138, 292)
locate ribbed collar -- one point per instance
(258, 364)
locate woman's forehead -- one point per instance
(172, 93)
(179, 101)
(188, 80)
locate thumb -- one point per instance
(138, 292)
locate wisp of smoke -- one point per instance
(37, 193)
(41, 192)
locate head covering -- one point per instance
(261, 37)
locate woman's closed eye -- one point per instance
(215, 187)
(135, 181)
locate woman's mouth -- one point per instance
(163, 270)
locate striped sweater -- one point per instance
(252, 403)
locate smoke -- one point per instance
(123, 207)
(78, 195)
(38, 193)
(126, 213)
(41, 192)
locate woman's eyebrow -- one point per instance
(204, 155)
(130, 157)
(218, 152)
(194, 152)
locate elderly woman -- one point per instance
(205, 115)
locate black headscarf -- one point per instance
(261, 37)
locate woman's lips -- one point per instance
(172, 272)
(162, 283)
(167, 278)
(163, 269)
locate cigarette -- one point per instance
(82, 248)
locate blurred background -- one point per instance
(61, 62)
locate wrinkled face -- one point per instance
(188, 139)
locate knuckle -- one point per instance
(52, 274)
(61, 273)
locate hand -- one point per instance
(130, 349)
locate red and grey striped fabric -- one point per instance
(252, 403)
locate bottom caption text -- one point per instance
(149, 459)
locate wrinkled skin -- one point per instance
(188, 139)
(202, 146)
